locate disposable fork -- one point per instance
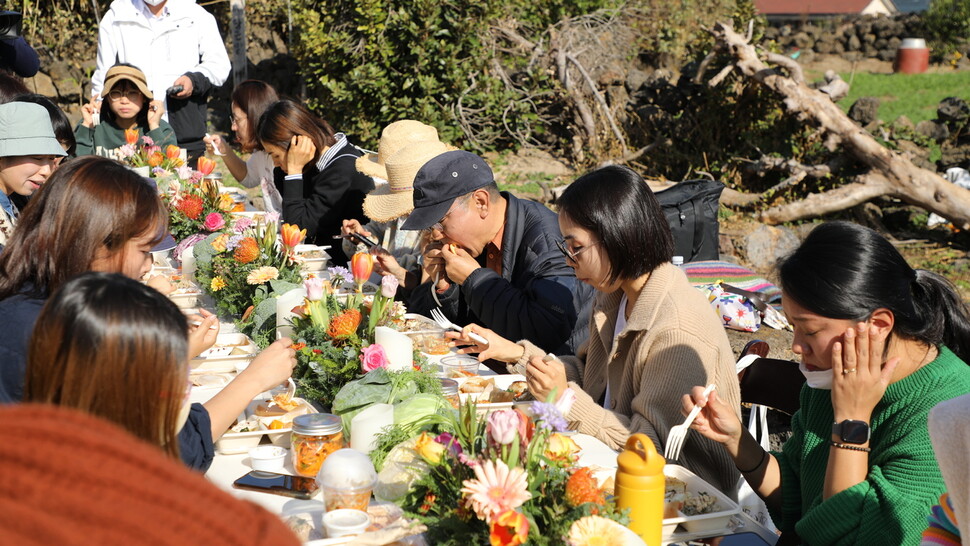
(677, 434)
(443, 322)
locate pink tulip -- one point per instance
(314, 288)
(503, 426)
(389, 286)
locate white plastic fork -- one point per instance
(677, 434)
(443, 321)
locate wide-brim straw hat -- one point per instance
(394, 137)
(25, 129)
(118, 73)
(396, 198)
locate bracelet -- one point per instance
(764, 456)
(852, 448)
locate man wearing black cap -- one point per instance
(493, 259)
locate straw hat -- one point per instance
(116, 74)
(394, 137)
(395, 199)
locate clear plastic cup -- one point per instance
(352, 498)
(459, 367)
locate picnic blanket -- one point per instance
(711, 271)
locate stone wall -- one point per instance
(854, 38)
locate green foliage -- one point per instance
(372, 62)
(948, 22)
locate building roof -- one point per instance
(811, 7)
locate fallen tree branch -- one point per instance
(636, 154)
(890, 173)
(599, 99)
(793, 68)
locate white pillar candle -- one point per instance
(366, 425)
(284, 311)
(398, 347)
(188, 263)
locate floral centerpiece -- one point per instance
(141, 151)
(507, 478)
(196, 206)
(334, 331)
(240, 268)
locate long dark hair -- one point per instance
(616, 204)
(285, 119)
(253, 97)
(847, 271)
(115, 348)
(88, 204)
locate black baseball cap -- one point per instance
(440, 181)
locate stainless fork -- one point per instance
(443, 321)
(677, 434)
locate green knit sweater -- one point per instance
(904, 481)
(109, 136)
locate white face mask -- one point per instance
(154, 3)
(821, 379)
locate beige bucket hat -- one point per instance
(394, 137)
(396, 198)
(118, 73)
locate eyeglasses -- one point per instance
(571, 256)
(439, 225)
(132, 95)
(234, 119)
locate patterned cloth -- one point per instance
(711, 271)
(943, 525)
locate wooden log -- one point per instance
(890, 173)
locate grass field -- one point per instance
(914, 95)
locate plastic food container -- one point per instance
(230, 352)
(240, 442)
(314, 257)
(717, 520)
(345, 522)
(267, 458)
(313, 439)
(428, 337)
(458, 367)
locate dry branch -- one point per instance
(890, 173)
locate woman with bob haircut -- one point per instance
(114, 348)
(315, 172)
(651, 333)
(881, 344)
(94, 214)
(249, 100)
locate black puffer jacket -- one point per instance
(537, 298)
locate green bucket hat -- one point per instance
(25, 129)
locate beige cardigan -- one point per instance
(673, 341)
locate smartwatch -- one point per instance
(851, 431)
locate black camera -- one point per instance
(10, 24)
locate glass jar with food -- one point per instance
(449, 389)
(314, 438)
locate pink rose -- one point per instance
(503, 426)
(373, 357)
(214, 221)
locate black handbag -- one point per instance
(691, 210)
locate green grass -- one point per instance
(914, 95)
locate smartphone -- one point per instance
(299, 487)
(358, 238)
(174, 90)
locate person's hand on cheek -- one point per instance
(301, 152)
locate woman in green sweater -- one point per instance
(881, 344)
(131, 105)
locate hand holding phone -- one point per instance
(174, 90)
(299, 487)
(357, 238)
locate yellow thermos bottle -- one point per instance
(640, 487)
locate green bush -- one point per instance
(948, 23)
